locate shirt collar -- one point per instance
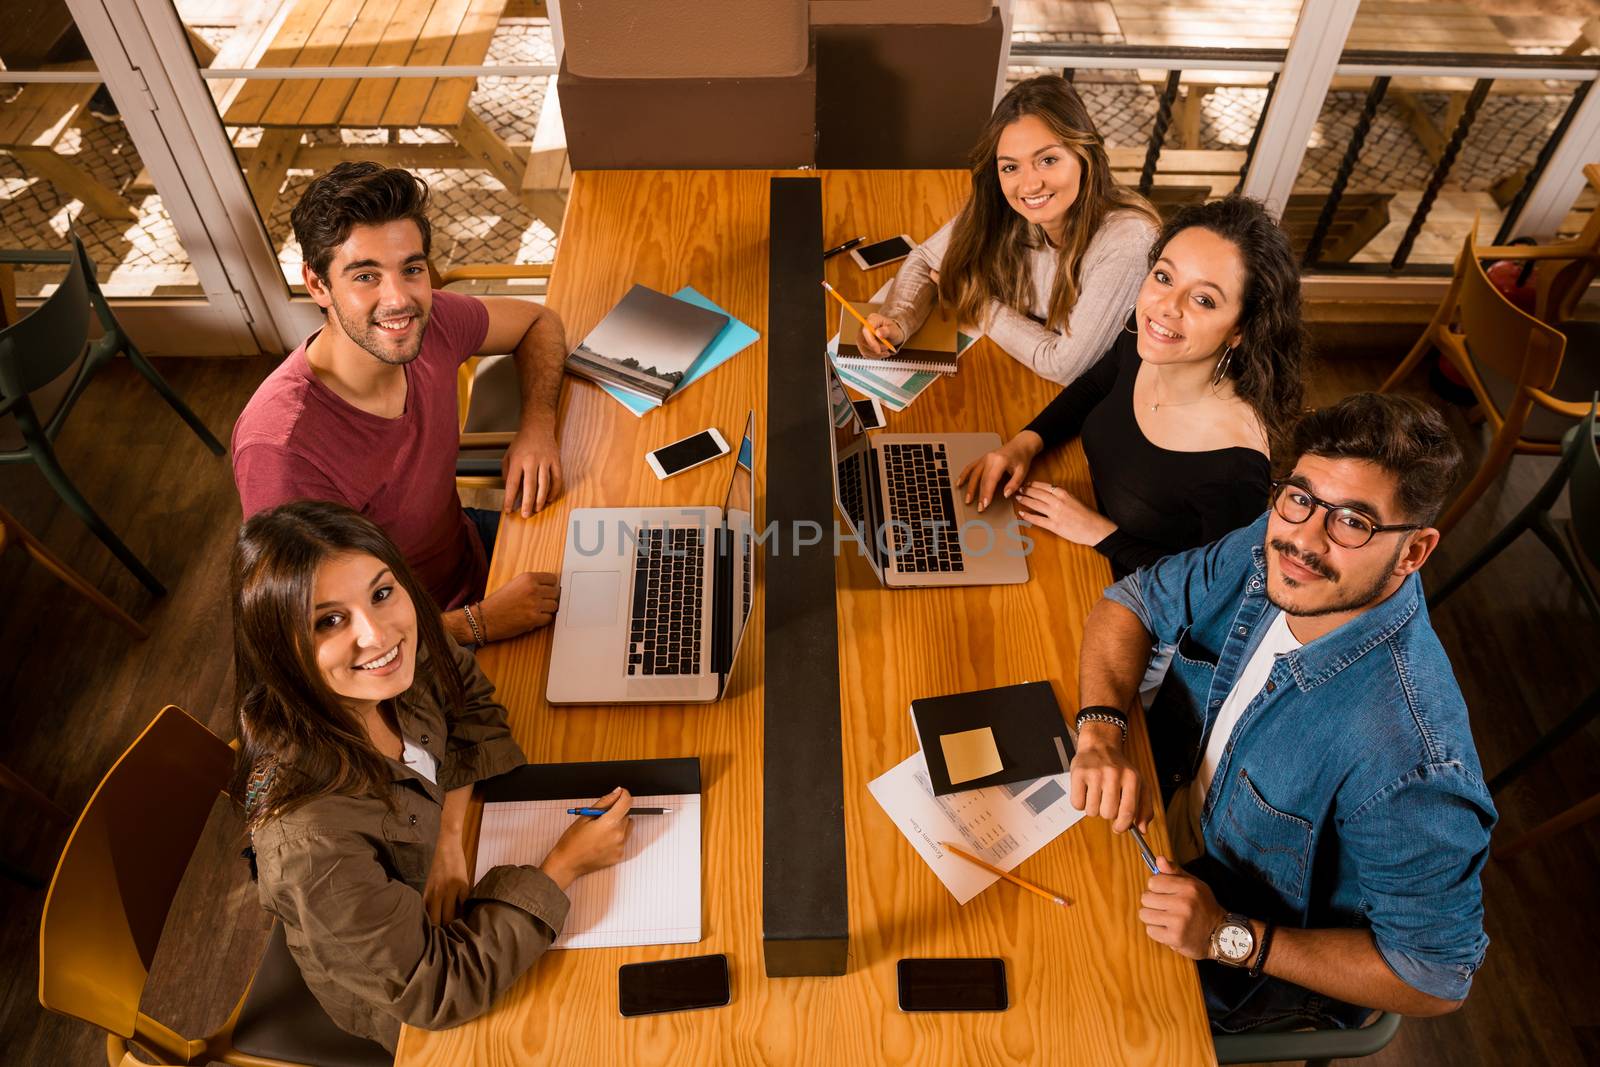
(1331, 653)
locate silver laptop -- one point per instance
(898, 493)
(654, 601)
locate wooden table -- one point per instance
(1411, 25)
(1087, 985)
(410, 33)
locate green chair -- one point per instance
(46, 360)
(1317, 1047)
(1578, 472)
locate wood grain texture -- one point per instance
(1087, 986)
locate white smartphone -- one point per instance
(692, 451)
(881, 252)
(870, 412)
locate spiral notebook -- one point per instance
(652, 897)
(932, 348)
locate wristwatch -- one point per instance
(1233, 942)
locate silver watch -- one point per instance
(1233, 942)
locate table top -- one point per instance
(1411, 25)
(354, 33)
(1086, 984)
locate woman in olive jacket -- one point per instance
(363, 727)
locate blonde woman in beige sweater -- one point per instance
(1049, 251)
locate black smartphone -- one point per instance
(953, 985)
(880, 252)
(672, 985)
(870, 412)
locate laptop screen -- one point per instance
(855, 475)
(738, 511)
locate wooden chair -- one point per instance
(12, 530)
(1514, 365)
(109, 900)
(486, 387)
(46, 360)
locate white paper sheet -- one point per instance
(1004, 824)
(651, 898)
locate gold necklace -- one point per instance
(1157, 405)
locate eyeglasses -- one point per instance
(1347, 527)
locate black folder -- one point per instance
(1029, 735)
(564, 781)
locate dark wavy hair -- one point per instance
(290, 723)
(1268, 366)
(986, 258)
(1401, 434)
(356, 194)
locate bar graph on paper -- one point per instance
(651, 898)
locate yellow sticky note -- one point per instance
(970, 754)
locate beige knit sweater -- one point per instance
(1113, 267)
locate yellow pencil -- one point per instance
(1007, 875)
(857, 316)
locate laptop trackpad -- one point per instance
(591, 598)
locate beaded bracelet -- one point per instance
(477, 634)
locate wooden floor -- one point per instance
(78, 690)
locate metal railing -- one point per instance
(1382, 67)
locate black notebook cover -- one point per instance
(560, 781)
(1026, 737)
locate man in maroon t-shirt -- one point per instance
(364, 412)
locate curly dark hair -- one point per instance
(356, 194)
(1401, 434)
(1269, 365)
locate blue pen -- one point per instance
(631, 811)
(1144, 850)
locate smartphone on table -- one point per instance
(880, 253)
(672, 985)
(679, 456)
(871, 412)
(952, 984)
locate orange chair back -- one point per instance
(1497, 336)
(120, 869)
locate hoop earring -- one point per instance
(1128, 316)
(1222, 366)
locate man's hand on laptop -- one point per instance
(527, 602)
(532, 470)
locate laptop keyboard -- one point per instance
(852, 493)
(668, 573)
(917, 483)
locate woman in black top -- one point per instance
(1178, 417)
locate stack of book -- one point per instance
(933, 348)
(649, 345)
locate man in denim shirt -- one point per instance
(1324, 795)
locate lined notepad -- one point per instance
(652, 897)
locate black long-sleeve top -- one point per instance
(1162, 501)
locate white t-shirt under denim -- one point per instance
(1183, 813)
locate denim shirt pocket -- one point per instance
(1272, 843)
(1191, 651)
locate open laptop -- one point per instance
(654, 601)
(898, 493)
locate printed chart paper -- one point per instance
(1004, 824)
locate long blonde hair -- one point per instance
(988, 248)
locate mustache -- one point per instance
(384, 313)
(1309, 560)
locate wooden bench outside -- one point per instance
(34, 121)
